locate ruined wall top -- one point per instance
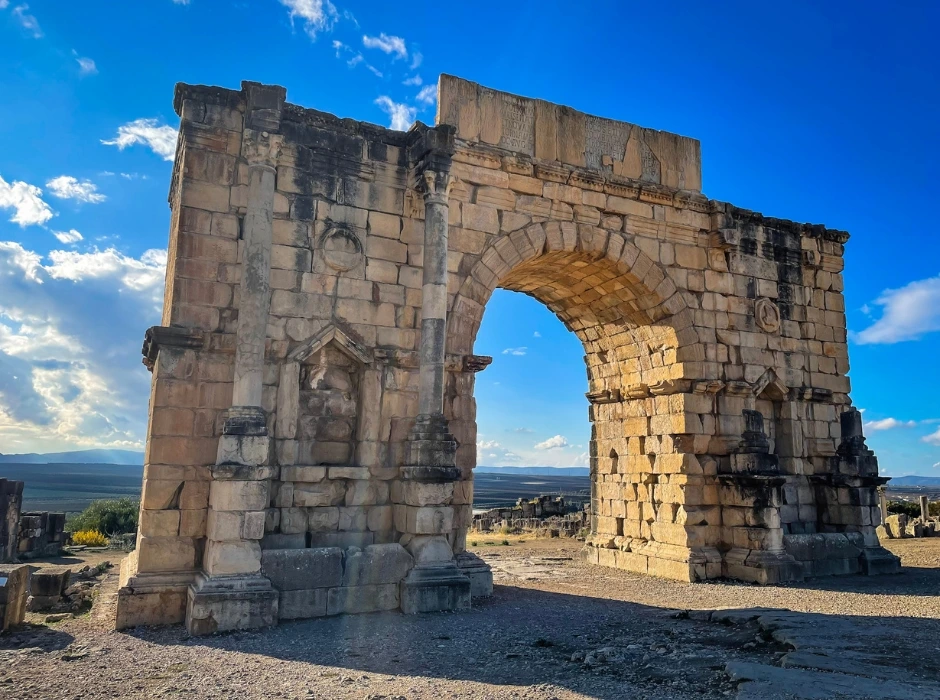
(547, 131)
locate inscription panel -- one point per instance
(518, 117)
(604, 137)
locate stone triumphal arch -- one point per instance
(312, 424)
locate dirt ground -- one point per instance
(554, 628)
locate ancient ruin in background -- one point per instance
(312, 431)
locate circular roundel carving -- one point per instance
(341, 249)
(767, 315)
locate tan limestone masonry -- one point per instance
(723, 439)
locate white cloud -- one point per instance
(937, 465)
(494, 453)
(375, 70)
(26, 202)
(70, 329)
(933, 438)
(416, 60)
(888, 424)
(180, 2)
(86, 66)
(907, 313)
(515, 351)
(536, 335)
(428, 95)
(414, 81)
(160, 138)
(523, 430)
(318, 15)
(70, 236)
(385, 43)
(4, 4)
(355, 60)
(68, 187)
(553, 443)
(402, 115)
(27, 21)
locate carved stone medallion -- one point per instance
(767, 315)
(342, 250)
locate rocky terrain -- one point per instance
(555, 628)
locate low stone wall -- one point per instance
(41, 534)
(320, 581)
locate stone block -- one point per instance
(165, 554)
(324, 493)
(228, 558)
(376, 564)
(159, 523)
(426, 520)
(284, 541)
(303, 473)
(238, 495)
(301, 569)
(362, 599)
(302, 604)
(366, 493)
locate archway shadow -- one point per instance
(524, 637)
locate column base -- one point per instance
(434, 590)
(878, 560)
(225, 603)
(146, 599)
(479, 573)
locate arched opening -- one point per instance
(641, 353)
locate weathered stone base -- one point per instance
(762, 567)
(878, 560)
(479, 573)
(13, 595)
(222, 604)
(434, 590)
(150, 599)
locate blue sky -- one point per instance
(821, 112)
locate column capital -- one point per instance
(436, 185)
(261, 149)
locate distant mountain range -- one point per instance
(914, 481)
(536, 471)
(77, 457)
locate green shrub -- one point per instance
(107, 517)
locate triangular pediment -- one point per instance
(342, 340)
(770, 386)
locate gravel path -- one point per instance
(555, 628)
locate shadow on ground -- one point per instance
(602, 648)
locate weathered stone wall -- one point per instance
(41, 534)
(714, 339)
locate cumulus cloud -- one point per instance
(516, 351)
(70, 331)
(888, 424)
(86, 66)
(317, 15)
(27, 21)
(402, 115)
(70, 236)
(428, 95)
(387, 44)
(26, 202)
(416, 60)
(906, 313)
(161, 139)
(413, 81)
(536, 335)
(68, 187)
(493, 453)
(933, 438)
(553, 443)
